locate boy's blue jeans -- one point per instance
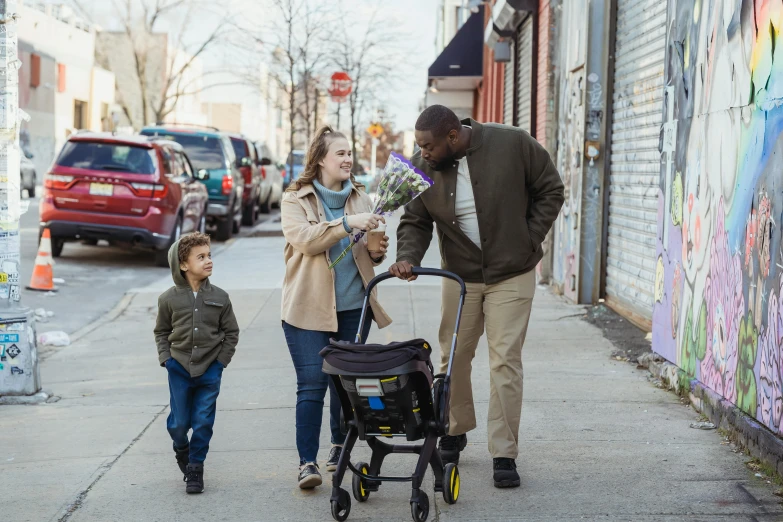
(193, 405)
(311, 381)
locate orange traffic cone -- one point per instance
(42, 272)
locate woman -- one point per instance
(320, 210)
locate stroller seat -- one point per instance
(388, 387)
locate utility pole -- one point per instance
(19, 373)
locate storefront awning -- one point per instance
(460, 65)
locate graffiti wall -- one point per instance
(718, 310)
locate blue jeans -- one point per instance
(311, 381)
(193, 405)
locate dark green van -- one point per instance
(211, 151)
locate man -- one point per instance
(495, 197)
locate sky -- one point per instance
(416, 18)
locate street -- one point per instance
(95, 277)
(598, 439)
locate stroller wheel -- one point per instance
(359, 485)
(341, 508)
(450, 483)
(420, 510)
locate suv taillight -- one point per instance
(263, 172)
(228, 184)
(57, 181)
(282, 173)
(148, 190)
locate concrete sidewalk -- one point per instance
(598, 441)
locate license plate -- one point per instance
(101, 189)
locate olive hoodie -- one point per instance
(194, 330)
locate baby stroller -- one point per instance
(392, 391)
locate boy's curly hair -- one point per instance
(189, 242)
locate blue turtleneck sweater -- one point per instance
(348, 287)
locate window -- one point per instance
(79, 114)
(205, 152)
(35, 70)
(61, 77)
(168, 163)
(186, 165)
(91, 155)
(240, 149)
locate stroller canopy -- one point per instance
(374, 358)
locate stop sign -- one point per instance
(342, 85)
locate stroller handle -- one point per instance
(418, 271)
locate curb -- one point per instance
(742, 429)
(115, 312)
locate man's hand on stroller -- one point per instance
(403, 270)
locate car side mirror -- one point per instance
(202, 175)
(29, 155)
(245, 162)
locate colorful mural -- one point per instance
(719, 280)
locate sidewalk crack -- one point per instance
(80, 498)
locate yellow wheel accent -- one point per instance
(451, 483)
(454, 484)
(361, 487)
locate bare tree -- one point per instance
(366, 59)
(160, 78)
(299, 50)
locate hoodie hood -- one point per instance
(176, 273)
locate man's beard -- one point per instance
(445, 163)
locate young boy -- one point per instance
(196, 333)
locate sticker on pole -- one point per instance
(9, 338)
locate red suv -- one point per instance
(128, 190)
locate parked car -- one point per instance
(128, 190)
(272, 184)
(295, 157)
(248, 164)
(29, 177)
(210, 152)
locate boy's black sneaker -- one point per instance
(505, 473)
(194, 478)
(309, 476)
(450, 446)
(183, 458)
(334, 458)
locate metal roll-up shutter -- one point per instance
(524, 70)
(508, 90)
(634, 163)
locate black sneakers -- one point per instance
(309, 476)
(505, 473)
(183, 458)
(334, 458)
(450, 446)
(194, 478)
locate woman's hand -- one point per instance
(364, 222)
(376, 255)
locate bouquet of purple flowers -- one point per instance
(400, 184)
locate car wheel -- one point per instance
(250, 215)
(224, 229)
(264, 207)
(162, 256)
(202, 225)
(57, 246)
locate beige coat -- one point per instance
(308, 288)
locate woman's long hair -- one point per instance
(317, 151)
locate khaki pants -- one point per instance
(504, 308)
